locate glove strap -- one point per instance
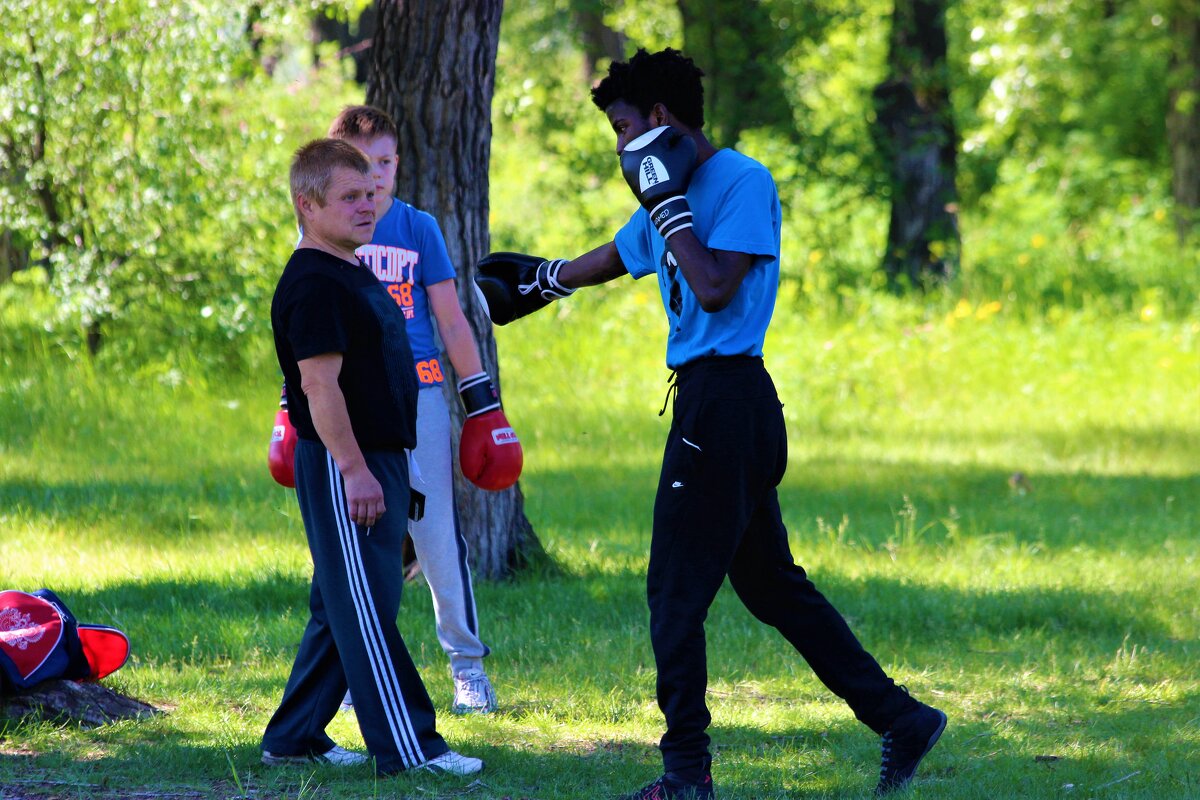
(547, 278)
(671, 216)
(545, 281)
(478, 394)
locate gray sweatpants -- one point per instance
(440, 546)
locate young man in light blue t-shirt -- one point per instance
(408, 255)
(709, 231)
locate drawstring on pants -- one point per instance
(672, 388)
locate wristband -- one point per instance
(671, 216)
(478, 394)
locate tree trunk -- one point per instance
(915, 135)
(741, 52)
(599, 41)
(1183, 115)
(433, 68)
(14, 256)
(354, 40)
(89, 704)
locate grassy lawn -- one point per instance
(1051, 614)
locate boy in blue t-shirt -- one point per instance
(709, 230)
(408, 255)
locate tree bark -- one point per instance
(741, 52)
(1183, 115)
(916, 138)
(89, 704)
(599, 41)
(433, 68)
(354, 40)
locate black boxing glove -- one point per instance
(513, 285)
(657, 166)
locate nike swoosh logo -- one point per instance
(677, 485)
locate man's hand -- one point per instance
(327, 405)
(364, 496)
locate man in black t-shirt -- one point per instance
(340, 339)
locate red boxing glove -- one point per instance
(488, 452)
(281, 456)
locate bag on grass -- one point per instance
(41, 640)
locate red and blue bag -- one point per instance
(41, 640)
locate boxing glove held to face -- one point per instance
(513, 285)
(658, 166)
(282, 452)
(489, 453)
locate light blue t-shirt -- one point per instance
(408, 253)
(735, 206)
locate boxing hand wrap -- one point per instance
(513, 285)
(658, 166)
(282, 452)
(489, 452)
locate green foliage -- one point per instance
(167, 168)
(1062, 146)
(143, 154)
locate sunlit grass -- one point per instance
(1051, 613)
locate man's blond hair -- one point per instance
(363, 122)
(313, 166)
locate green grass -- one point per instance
(1055, 622)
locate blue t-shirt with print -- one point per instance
(407, 254)
(735, 206)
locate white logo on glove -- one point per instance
(504, 436)
(651, 173)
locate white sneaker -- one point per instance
(452, 763)
(335, 756)
(473, 693)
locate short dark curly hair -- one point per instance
(668, 77)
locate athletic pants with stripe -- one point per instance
(439, 544)
(716, 514)
(351, 639)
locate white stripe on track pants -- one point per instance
(353, 604)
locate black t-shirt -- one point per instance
(326, 305)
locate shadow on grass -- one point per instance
(976, 757)
(912, 501)
(148, 511)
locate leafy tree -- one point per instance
(1183, 113)
(741, 47)
(112, 137)
(433, 70)
(916, 135)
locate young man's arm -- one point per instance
(713, 275)
(327, 405)
(453, 328)
(593, 268)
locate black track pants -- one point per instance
(352, 638)
(717, 514)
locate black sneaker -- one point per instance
(909, 740)
(668, 789)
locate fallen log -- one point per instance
(89, 704)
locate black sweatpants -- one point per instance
(352, 639)
(717, 514)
